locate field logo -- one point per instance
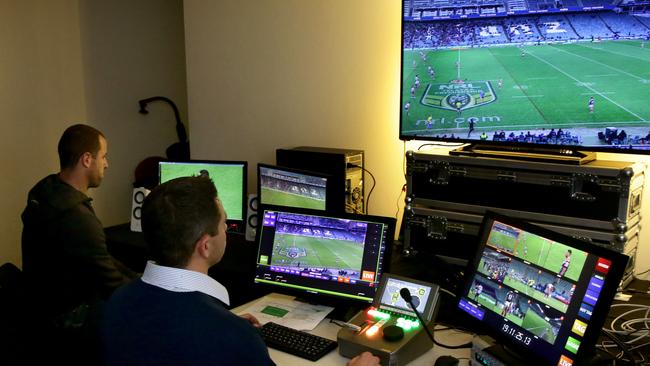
(453, 95)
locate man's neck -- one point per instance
(198, 266)
(74, 179)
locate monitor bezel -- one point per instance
(597, 319)
(312, 294)
(329, 194)
(234, 225)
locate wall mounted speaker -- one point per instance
(251, 217)
(136, 207)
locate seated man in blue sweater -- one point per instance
(175, 314)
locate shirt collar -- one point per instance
(184, 280)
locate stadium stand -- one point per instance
(623, 25)
(555, 29)
(589, 25)
(516, 5)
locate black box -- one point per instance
(603, 195)
(345, 166)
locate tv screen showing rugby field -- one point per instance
(554, 73)
(543, 294)
(327, 254)
(228, 176)
(281, 186)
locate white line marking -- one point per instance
(610, 51)
(597, 62)
(586, 86)
(600, 76)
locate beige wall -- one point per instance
(69, 61)
(268, 73)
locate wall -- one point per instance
(41, 89)
(131, 50)
(266, 74)
(70, 61)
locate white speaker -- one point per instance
(251, 217)
(136, 207)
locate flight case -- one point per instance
(602, 195)
(447, 196)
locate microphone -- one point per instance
(406, 295)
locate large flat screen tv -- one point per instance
(557, 74)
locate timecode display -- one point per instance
(516, 334)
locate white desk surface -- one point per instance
(329, 330)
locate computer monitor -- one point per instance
(312, 252)
(542, 294)
(281, 186)
(228, 176)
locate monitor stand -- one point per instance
(556, 155)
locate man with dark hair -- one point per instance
(175, 314)
(65, 260)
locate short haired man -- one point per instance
(65, 259)
(175, 314)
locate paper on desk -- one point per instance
(288, 312)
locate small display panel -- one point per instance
(281, 186)
(341, 255)
(391, 294)
(543, 293)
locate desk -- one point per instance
(329, 330)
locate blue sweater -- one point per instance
(147, 325)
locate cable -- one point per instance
(644, 272)
(374, 183)
(398, 201)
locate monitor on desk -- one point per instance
(281, 186)
(228, 176)
(312, 252)
(542, 294)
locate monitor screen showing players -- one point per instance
(561, 74)
(288, 187)
(541, 292)
(341, 255)
(228, 176)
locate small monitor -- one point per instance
(228, 176)
(424, 296)
(311, 252)
(281, 186)
(542, 294)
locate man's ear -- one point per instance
(86, 159)
(202, 247)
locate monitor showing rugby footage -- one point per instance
(563, 75)
(228, 176)
(281, 186)
(543, 294)
(311, 252)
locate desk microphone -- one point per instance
(406, 295)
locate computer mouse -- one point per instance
(393, 333)
(446, 360)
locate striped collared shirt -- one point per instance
(183, 280)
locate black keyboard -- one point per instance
(296, 342)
